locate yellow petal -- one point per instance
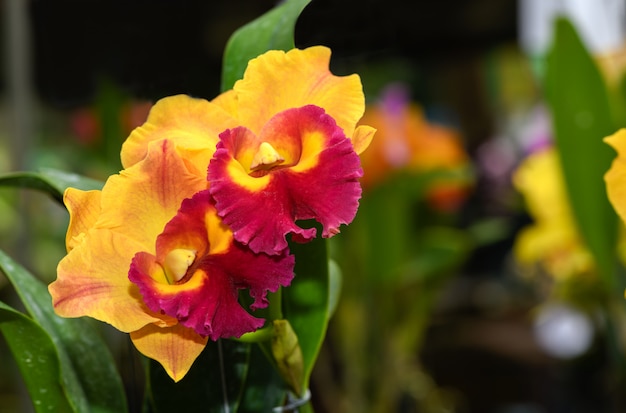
(219, 234)
(539, 179)
(557, 249)
(276, 81)
(175, 347)
(362, 138)
(192, 124)
(228, 102)
(84, 209)
(615, 178)
(92, 280)
(143, 198)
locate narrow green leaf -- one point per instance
(214, 384)
(51, 181)
(581, 116)
(306, 300)
(88, 372)
(36, 358)
(272, 31)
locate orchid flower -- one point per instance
(167, 274)
(208, 194)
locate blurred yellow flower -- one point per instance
(615, 178)
(552, 241)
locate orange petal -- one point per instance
(150, 192)
(175, 347)
(192, 124)
(92, 280)
(615, 178)
(84, 209)
(276, 81)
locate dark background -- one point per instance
(155, 48)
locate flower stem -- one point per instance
(220, 353)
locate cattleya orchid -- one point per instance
(312, 173)
(207, 196)
(167, 274)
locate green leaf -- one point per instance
(617, 95)
(264, 388)
(215, 381)
(272, 31)
(51, 181)
(581, 115)
(36, 358)
(306, 300)
(88, 372)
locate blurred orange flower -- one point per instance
(406, 141)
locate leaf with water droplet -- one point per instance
(41, 374)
